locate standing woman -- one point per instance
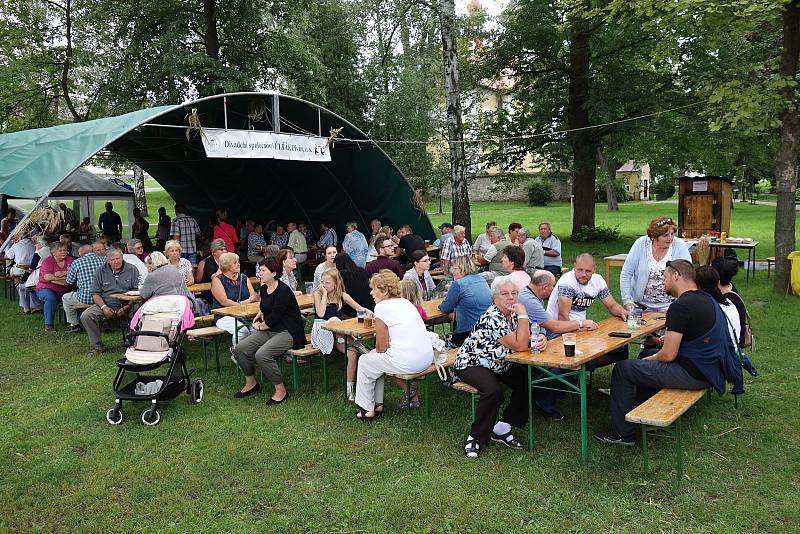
(225, 231)
(329, 263)
(420, 272)
(355, 244)
(329, 300)
(642, 278)
(164, 224)
(230, 288)
(356, 284)
(402, 345)
(289, 264)
(140, 230)
(53, 281)
(277, 328)
(172, 250)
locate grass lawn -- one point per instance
(228, 465)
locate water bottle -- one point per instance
(139, 388)
(534, 337)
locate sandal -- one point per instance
(472, 449)
(378, 412)
(508, 440)
(361, 415)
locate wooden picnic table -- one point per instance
(592, 344)
(352, 328)
(206, 286)
(617, 260)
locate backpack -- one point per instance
(748, 339)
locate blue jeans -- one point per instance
(51, 300)
(191, 257)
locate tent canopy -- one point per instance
(82, 183)
(358, 184)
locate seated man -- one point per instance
(574, 294)
(81, 275)
(408, 242)
(115, 276)
(385, 247)
(454, 247)
(447, 233)
(493, 258)
(534, 255)
(697, 354)
(552, 249)
(532, 297)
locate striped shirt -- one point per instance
(451, 249)
(81, 273)
(187, 230)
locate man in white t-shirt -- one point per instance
(576, 291)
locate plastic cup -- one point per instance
(361, 314)
(309, 287)
(570, 340)
(634, 315)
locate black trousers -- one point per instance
(488, 383)
(458, 338)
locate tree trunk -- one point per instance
(455, 128)
(68, 61)
(785, 165)
(609, 166)
(581, 141)
(138, 188)
(211, 42)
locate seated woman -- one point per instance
(289, 264)
(164, 279)
(277, 328)
(256, 244)
(727, 268)
(481, 363)
(230, 288)
(469, 296)
(172, 250)
(707, 279)
(356, 283)
(410, 292)
(642, 278)
(329, 263)
(513, 262)
(329, 300)
(53, 281)
(28, 300)
(208, 268)
(420, 272)
(402, 345)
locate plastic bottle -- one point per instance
(534, 337)
(139, 388)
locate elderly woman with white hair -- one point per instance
(481, 362)
(172, 250)
(163, 279)
(230, 288)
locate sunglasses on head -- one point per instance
(662, 222)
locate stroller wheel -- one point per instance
(197, 391)
(151, 416)
(114, 416)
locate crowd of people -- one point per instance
(496, 290)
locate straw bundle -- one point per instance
(43, 220)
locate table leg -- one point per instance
(530, 409)
(584, 432)
(608, 271)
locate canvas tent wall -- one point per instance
(82, 189)
(359, 183)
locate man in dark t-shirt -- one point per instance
(409, 242)
(692, 316)
(385, 247)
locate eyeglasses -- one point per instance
(425, 259)
(662, 222)
(507, 294)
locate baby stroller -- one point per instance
(156, 340)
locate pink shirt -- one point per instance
(49, 266)
(520, 278)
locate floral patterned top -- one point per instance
(483, 348)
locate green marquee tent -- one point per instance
(359, 183)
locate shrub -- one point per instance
(619, 190)
(763, 186)
(597, 233)
(539, 193)
(665, 186)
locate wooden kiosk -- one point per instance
(704, 205)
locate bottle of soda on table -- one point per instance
(534, 337)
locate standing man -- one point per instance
(115, 276)
(185, 230)
(454, 247)
(551, 245)
(328, 238)
(81, 275)
(575, 292)
(534, 255)
(697, 353)
(69, 221)
(110, 224)
(297, 242)
(7, 224)
(385, 247)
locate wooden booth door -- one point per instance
(699, 215)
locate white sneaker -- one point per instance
(605, 391)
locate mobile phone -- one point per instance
(619, 334)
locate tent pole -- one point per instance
(225, 110)
(319, 122)
(276, 114)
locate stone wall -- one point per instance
(480, 188)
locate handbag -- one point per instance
(33, 279)
(320, 338)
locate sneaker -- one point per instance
(106, 326)
(605, 391)
(472, 449)
(612, 438)
(508, 440)
(75, 329)
(554, 415)
(96, 351)
(49, 328)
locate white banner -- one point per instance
(253, 144)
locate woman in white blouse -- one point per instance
(172, 250)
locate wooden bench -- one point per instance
(770, 262)
(473, 393)
(424, 376)
(661, 411)
(305, 353)
(208, 335)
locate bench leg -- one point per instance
(530, 408)
(474, 398)
(205, 356)
(426, 385)
(324, 372)
(584, 430)
(295, 374)
(645, 463)
(678, 452)
(216, 351)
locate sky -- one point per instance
(493, 7)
